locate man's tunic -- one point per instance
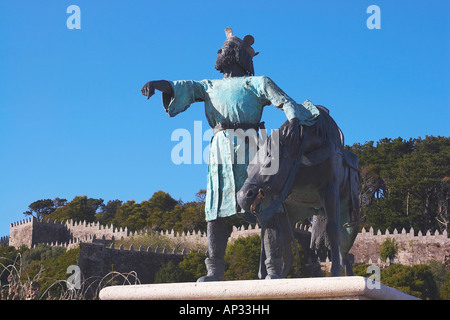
(232, 100)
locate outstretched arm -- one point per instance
(178, 95)
(162, 85)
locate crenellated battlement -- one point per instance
(403, 235)
(97, 260)
(69, 233)
(156, 250)
(414, 247)
(23, 222)
(32, 231)
(4, 241)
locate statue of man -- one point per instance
(234, 102)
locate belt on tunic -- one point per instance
(238, 125)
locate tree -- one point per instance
(193, 215)
(159, 209)
(79, 209)
(108, 211)
(172, 219)
(370, 184)
(131, 215)
(161, 212)
(161, 201)
(42, 208)
(443, 203)
(404, 183)
(200, 196)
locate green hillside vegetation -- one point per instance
(405, 183)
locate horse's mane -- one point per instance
(326, 128)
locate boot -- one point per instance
(216, 270)
(217, 232)
(274, 268)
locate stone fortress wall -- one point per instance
(413, 248)
(31, 232)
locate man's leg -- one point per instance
(273, 238)
(218, 232)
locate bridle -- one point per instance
(259, 198)
(263, 191)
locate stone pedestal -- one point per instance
(344, 288)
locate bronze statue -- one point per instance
(235, 103)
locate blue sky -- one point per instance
(73, 121)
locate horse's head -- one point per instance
(266, 176)
(255, 189)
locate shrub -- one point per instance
(388, 249)
(299, 268)
(189, 270)
(242, 258)
(415, 280)
(360, 269)
(168, 273)
(41, 252)
(445, 287)
(193, 266)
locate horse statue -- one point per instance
(316, 178)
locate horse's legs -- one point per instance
(262, 258)
(347, 265)
(331, 206)
(348, 236)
